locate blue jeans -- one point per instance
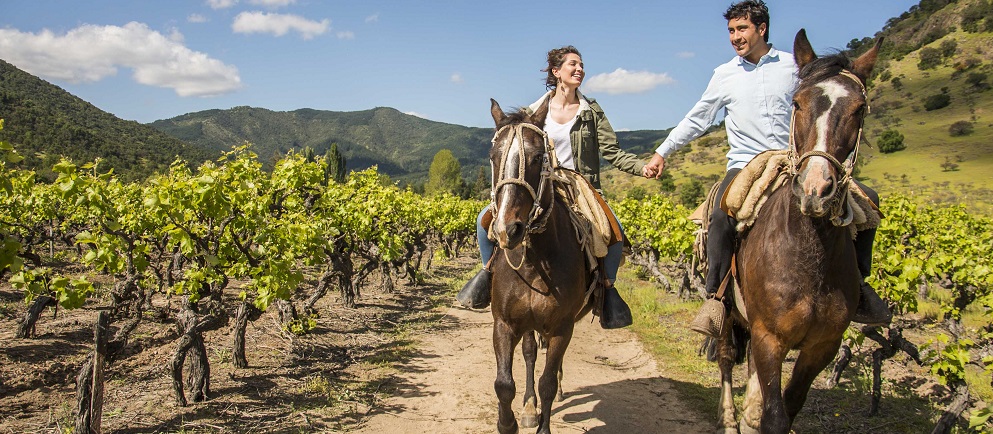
(612, 262)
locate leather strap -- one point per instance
(724, 283)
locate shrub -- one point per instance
(637, 193)
(960, 128)
(948, 47)
(897, 83)
(890, 141)
(977, 80)
(935, 102)
(691, 193)
(885, 75)
(930, 58)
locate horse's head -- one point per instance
(829, 107)
(520, 162)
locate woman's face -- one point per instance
(571, 72)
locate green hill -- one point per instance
(940, 165)
(402, 145)
(44, 122)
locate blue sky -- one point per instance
(647, 62)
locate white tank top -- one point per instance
(559, 134)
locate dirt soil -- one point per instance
(402, 362)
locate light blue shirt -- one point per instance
(756, 100)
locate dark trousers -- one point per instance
(722, 236)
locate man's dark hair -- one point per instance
(754, 10)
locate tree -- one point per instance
(935, 102)
(482, 184)
(445, 175)
(948, 47)
(960, 128)
(335, 169)
(691, 193)
(890, 141)
(930, 58)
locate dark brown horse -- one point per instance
(540, 273)
(797, 270)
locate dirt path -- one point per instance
(611, 385)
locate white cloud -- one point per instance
(345, 35)
(196, 18)
(685, 54)
(221, 4)
(279, 24)
(372, 18)
(91, 53)
(456, 78)
(624, 81)
(416, 114)
(272, 3)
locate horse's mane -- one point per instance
(824, 67)
(515, 117)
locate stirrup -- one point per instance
(615, 313)
(475, 294)
(871, 310)
(710, 319)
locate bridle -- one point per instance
(538, 216)
(845, 167)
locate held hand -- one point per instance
(654, 167)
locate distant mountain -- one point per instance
(44, 122)
(402, 145)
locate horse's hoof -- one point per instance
(529, 421)
(512, 429)
(743, 428)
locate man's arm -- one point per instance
(693, 125)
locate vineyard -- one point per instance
(217, 245)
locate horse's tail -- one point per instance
(737, 350)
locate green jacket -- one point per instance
(587, 147)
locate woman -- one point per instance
(581, 134)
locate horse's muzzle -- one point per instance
(815, 189)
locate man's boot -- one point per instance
(615, 313)
(475, 293)
(872, 310)
(710, 319)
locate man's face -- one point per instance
(745, 37)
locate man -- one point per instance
(755, 91)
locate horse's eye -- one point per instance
(796, 105)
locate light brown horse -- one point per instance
(540, 273)
(797, 270)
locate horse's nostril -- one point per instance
(514, 229)
(828, 190)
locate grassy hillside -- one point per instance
(44, 122)
(402, 145)
(936, 165)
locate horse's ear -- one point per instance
(538, 117)
(862, 66)
(802, 51)
(496, 111)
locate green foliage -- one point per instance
(445, 175)
(46, 123)
(977, 80)
(691, 193)
(70, 293)
(949, 360)
(930, 58)
(974, 13)
(637, 193)
(948, 47)
(937, 101)
(334, 169)
(658, 225)
(960, 128)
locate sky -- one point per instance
(647, 62)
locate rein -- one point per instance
(538, 216)
(845, 167)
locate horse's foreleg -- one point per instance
(768, 354)
(529, 347)
(809, 363)
(504, 342)
(726, 417)
(751, 412)
(548, 384)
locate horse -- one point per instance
(797, 271)
(540, 273)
